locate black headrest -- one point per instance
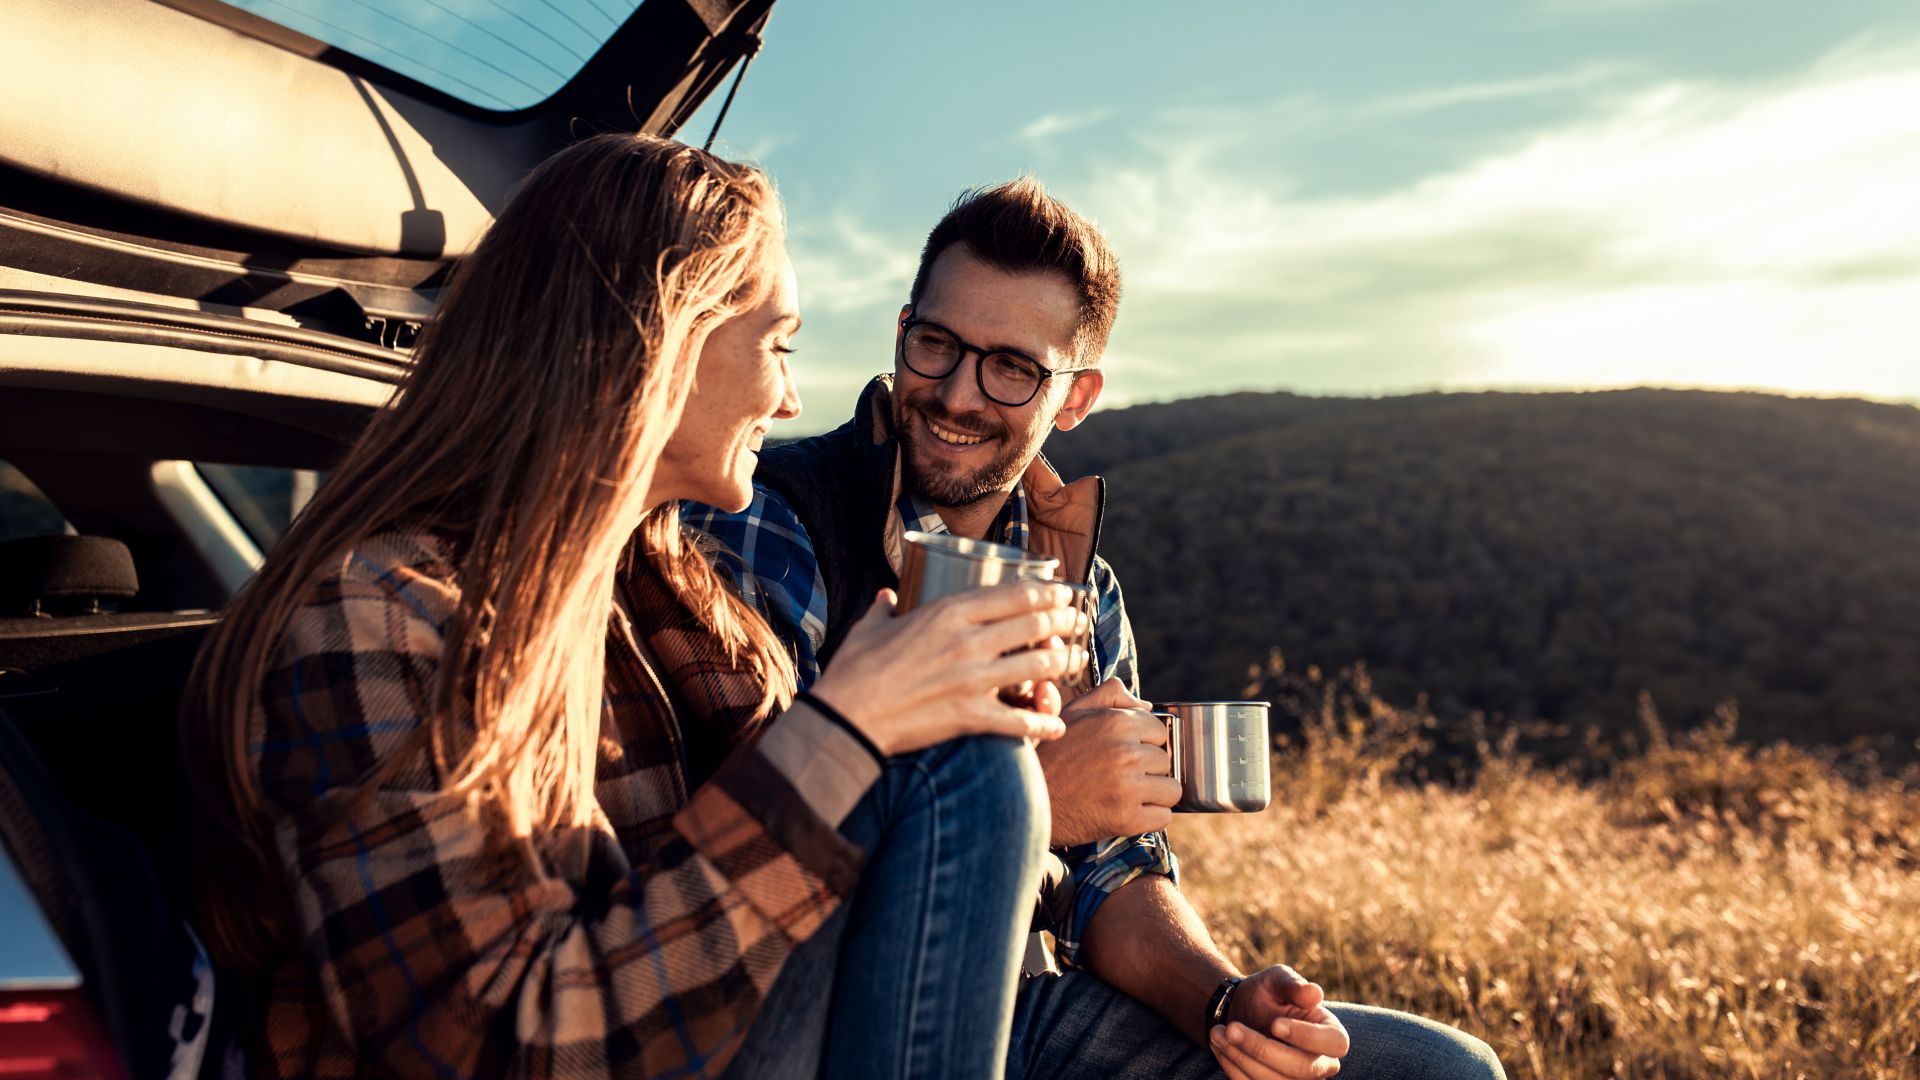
(67, 574)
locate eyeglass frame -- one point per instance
(911, 320)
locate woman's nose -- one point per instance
(789, 397)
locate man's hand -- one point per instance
(1279, 1027)
(1040, 697)
(1109, 775)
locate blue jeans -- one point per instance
(915, 975)
(1074, 1027)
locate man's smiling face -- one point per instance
(959, 446)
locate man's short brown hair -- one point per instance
(1019, 228)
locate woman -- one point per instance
(501, 780)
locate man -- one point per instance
(999, 343)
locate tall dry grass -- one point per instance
(1697, 908)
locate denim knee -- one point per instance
(1387, 1042)
(995, 781)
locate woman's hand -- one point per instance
(936, 673)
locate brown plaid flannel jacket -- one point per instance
(419, 951)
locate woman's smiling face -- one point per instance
(741, 385)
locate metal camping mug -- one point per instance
(1219, 751)
(936, 565)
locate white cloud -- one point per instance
(852, 280)
(1691, 234)
(1052, 124)
(762, 148)
(844, 266)
(1447, 97)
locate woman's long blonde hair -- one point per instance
(530, 426)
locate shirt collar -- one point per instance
(1009, 528)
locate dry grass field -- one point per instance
(1694, 908)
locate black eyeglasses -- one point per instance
(1011, 378)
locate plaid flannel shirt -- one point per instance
(769, 553)
(418, 945)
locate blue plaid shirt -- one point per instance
(772, 558)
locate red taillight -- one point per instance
(54, 1035)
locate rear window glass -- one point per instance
(497, 54)
(262, 500)
(24, 511)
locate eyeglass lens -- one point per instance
(1008, 379)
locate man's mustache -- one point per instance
(933, 410)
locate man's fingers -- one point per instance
(1046, 699)
(1151, 818)
(1329, 1039)
(1148, 727)
(1111, 694)
(1231, 1068)
(1289, 987)
(1259, 1055)
(1237, 1059)
(1162, 791)
(1301, 992)
(1153, 761)
(1232, 1062)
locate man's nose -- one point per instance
(960, 390)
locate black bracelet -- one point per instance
(839, 719)
(1221, 1000)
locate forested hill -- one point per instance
(1535, 556)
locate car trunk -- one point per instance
(218, 238)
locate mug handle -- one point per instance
(1084, 600)
(1173, 746)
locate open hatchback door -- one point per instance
(216, 159)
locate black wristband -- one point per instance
(839, 720)
(1221, 1000)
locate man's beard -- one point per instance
(938, 482)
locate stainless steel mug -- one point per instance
(936, 565)
(1220, 753)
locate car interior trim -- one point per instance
(206, 523)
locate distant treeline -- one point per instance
(1530, 556)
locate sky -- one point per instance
(1376, 197)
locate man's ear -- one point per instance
(1081, 394)
(899, 334)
